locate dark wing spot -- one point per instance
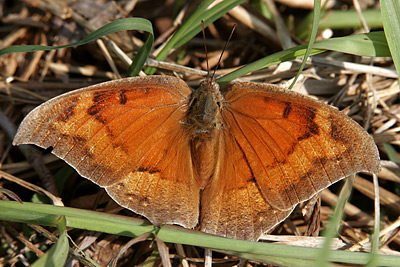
(69, 111)
(99, 100)
(122, 97)
(98, 97)
(292, 147)
(93, 110)
(287, 110)
(306, 135)
(144, 169)
(311, 126)
(79, 139)
(252, 180)
(335, 131)
(109, 132)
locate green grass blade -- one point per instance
(371, 44)
(332, 228)
(44, 214)
(341, 19)
(391, 152)
(313, 35)
(209, 16)
(57, 254)
(141, 57)
(192, 25)
(114, 26)
(391, 23)
(367, 44)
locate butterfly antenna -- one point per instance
(205, 48)
(223, 50)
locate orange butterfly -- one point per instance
(236, 164)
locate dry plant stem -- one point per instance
(386, 126)
(305, 4)
(377, 213)
(357, 7)
(349, 209)
(35, 60)
(108, 57)
(392, 231)
(177, 22)
(118, 52)
(393, 227)
(89, 238)
(10, 194)
(374, 100)
(354, 67)
(281, 29)
(207, 257)
(175, 67)
(23, 240)
(181, 252)
(303, 241)
(13, 37)
(85, 71)
(141, 238)
(255, 24)
(24, 91)
(387, 198)
(56, 200)
(18, 167)
(390, 172)
(49, 57)
(338, 98)
(164, 253)
(60, 11)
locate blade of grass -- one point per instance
(340, 19)
(391, 23)
(192, 25)
(332, 228)
(375, 237)
(367, 44)
(57, 254)
(313, 35)
(209, 16)
(95, 221)
(141, 57)
(391, 152)
(114, 26)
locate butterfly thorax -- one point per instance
(204, 123)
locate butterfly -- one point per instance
(234, 162)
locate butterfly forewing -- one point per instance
(295, 146)
(125, 136)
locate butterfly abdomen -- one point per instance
(203, 122)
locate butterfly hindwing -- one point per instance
(232, 203)
(125, 136)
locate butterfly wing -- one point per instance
(279, 148)
(232, 205)
(125, 136)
